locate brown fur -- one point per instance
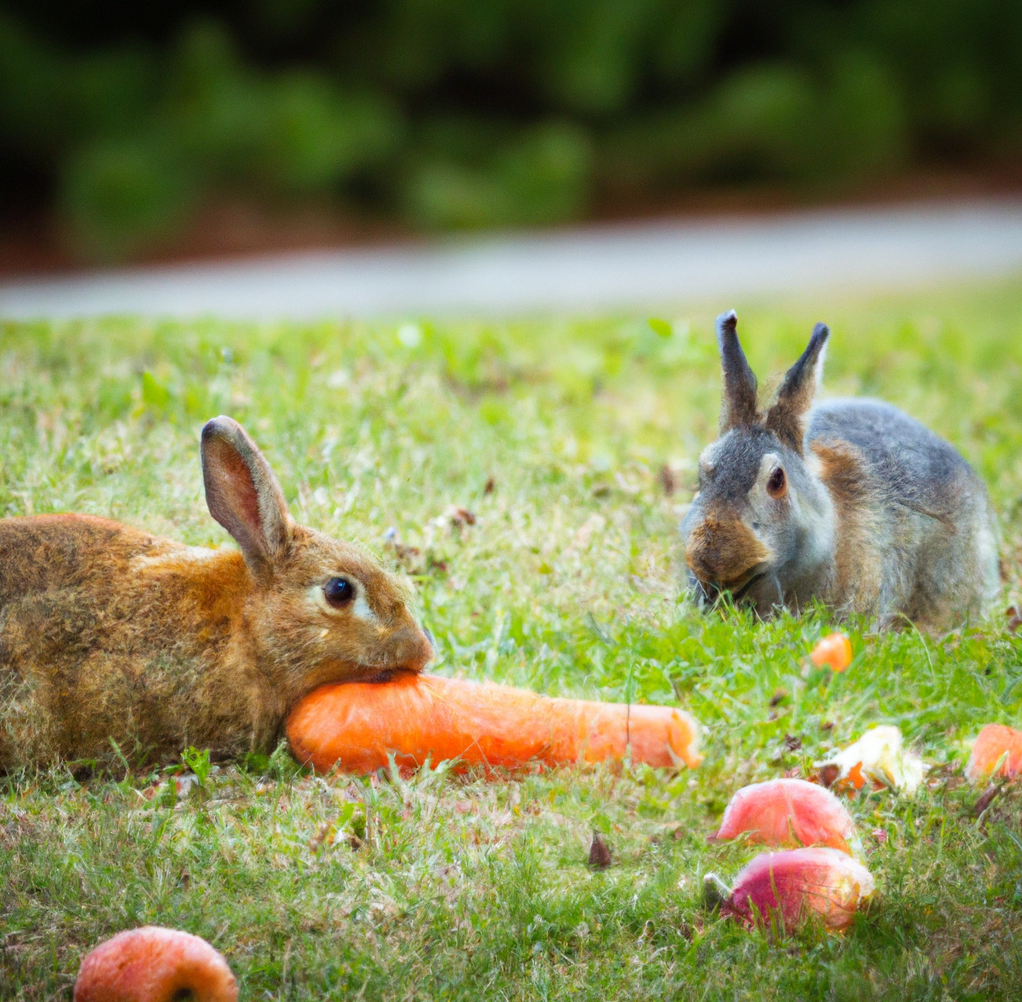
(787, 424)
(722, 549)
(110, 634)
(858, 569)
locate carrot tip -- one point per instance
(834, 650)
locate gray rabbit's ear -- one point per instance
(738, 401)
(243, 494)
(795, 397)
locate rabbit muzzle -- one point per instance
(739, 587)
(411, 650)
(726, 556)
(406, 651)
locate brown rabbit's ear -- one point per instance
(243, 494)
(738, 401)
(795, 397)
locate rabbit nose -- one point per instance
(703, 565)
(720, 553)
(413, 649)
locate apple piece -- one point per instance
(996, 743)
(788, 813)
(880, 757)
(794, 886)
(153, 964)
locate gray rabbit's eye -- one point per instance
(777, 483)
(339, 591)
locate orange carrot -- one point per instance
(153, 964)
(994, 741)
(418, 717)
(834, 650)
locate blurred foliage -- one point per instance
(128, 119)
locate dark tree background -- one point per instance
(123, 120)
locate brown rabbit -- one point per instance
(108, 634)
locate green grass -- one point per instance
(464, 888)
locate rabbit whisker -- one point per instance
(737, 588)
(740, 593)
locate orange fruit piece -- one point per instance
(787, 813)
(995, 741)
(834, 650)
(153, 964)
(354, 725)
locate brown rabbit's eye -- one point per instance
(777, 483)
(339, 591)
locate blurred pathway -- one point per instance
(583, 270)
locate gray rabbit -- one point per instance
(849, 502)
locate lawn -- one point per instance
(573, 444)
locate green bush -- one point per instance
(770, 121)
(539, 175)
(455, 114)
